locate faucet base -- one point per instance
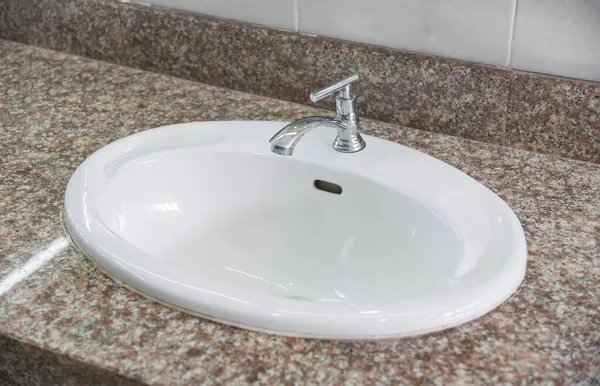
(352, 145)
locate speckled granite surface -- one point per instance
(553, 117)
(549, 115)
(56, 109)
(24, 364)
(91, 27)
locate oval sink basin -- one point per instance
(386, 242)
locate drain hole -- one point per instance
(328, 187)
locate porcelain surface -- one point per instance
(204, 217)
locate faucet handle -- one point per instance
(343, 86)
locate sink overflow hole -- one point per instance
(328, 187)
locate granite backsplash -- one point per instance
(527, 111)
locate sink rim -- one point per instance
(310, 315)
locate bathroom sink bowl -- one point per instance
(386, 242)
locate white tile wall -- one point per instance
(474, 30)
(272, 13)
(560, 37)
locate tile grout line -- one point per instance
(511, 79)
(296, 15)
(511, 35)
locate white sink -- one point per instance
(203, 217)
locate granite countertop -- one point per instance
(56, 109)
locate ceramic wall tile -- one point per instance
(559, 37)
(471, 30)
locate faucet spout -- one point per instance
(286, 139)
(348, 139)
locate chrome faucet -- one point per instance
(348, 138)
